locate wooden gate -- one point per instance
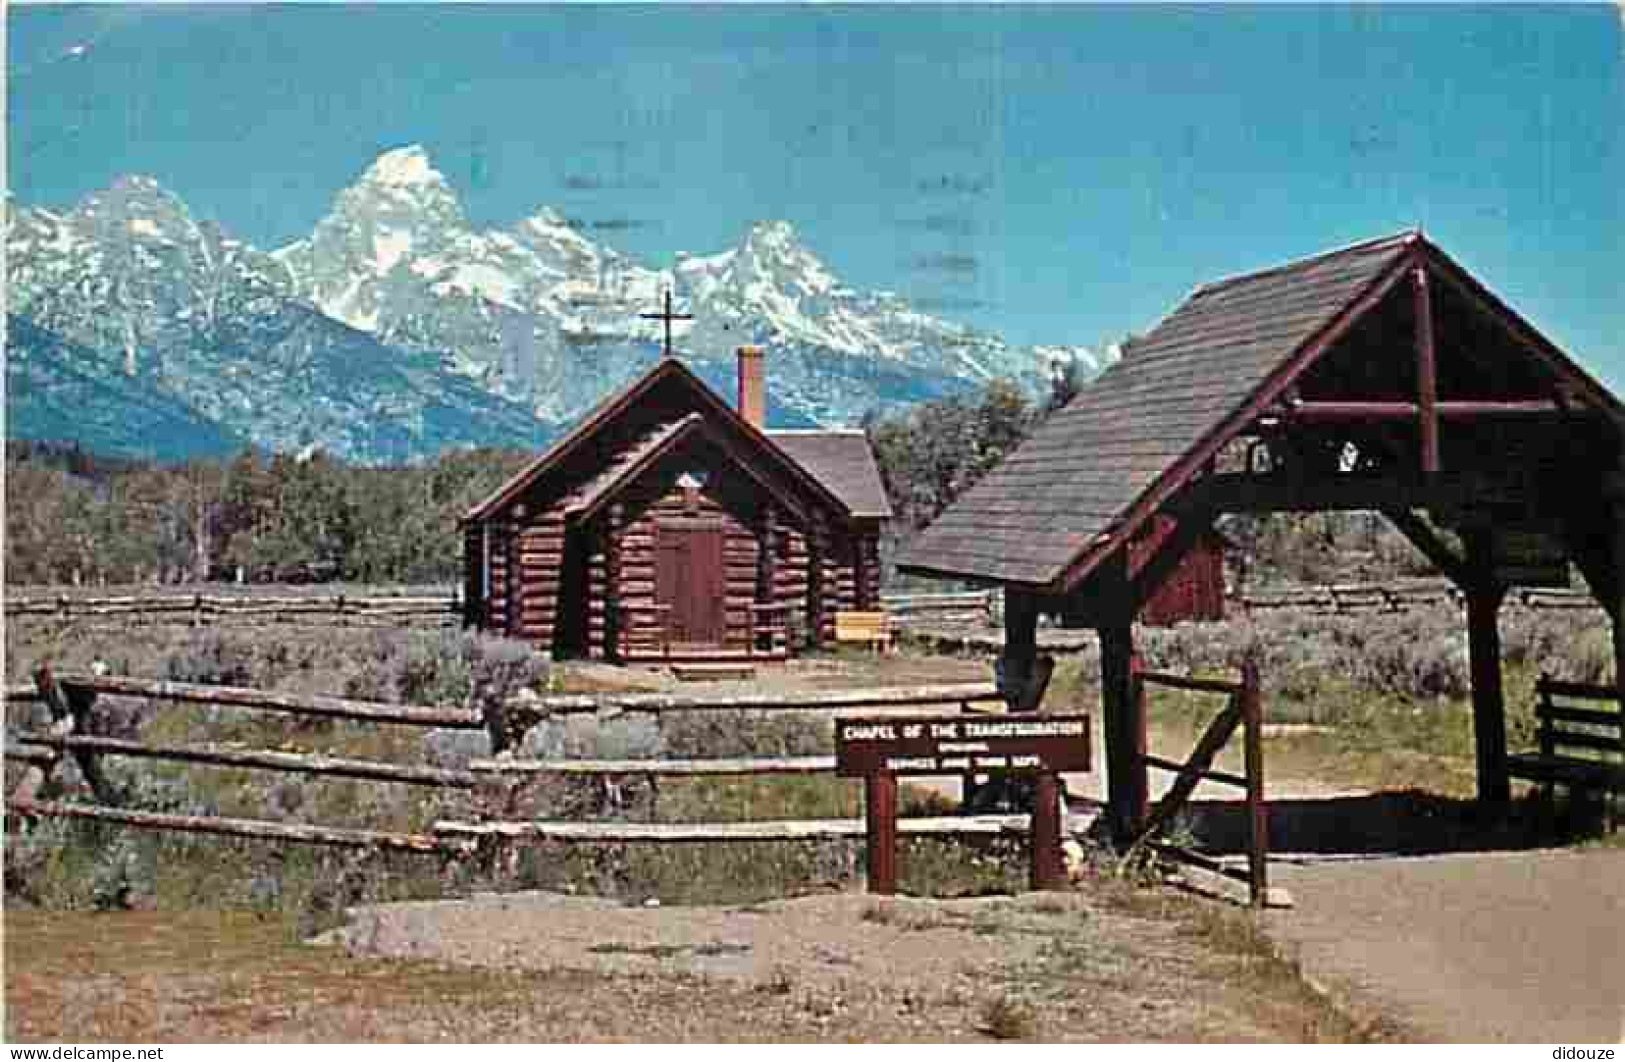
(690, 584)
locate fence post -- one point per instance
(1045, 869)
(1142, 794)
(880, 824)
(1258, 839)
(70, 710)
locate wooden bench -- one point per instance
(868, 628)
(1581, 748)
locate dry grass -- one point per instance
(1103, 974)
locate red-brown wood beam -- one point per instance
(1427, 372)
(880, 824)
(1459, 410)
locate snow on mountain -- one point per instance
(497, 329)
(543, 314)
(170, 305)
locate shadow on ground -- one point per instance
(1408, 822)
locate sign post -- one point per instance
(879, 748)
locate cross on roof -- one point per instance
(667, 316)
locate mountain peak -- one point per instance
(773, 234)
(407, 166)
(772, 252)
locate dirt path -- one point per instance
(1505, 946)
(848, 966)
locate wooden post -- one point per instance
(1140, 777)
(1258, 828)
(1548, 749)
(511, 583)
(766, 574)
(1047, 870)
(1020, 653)
(1427, 372)
(70, 708)
(615, 633)
(1013, 676)
(1484, 595)
(880, 823)
(1126, 786)
(1617, 544)
(816, 544)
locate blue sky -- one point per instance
(1056, 174)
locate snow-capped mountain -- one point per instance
(170, 305)
(397, 327)
(543, 314)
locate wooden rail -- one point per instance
(1243, 707)
(664, 768)
(254, 828)
(244, 697)
(508, 833)
(805, 701)
(760, 830)
(70, 697)
(258, 759)
(203, 608)
(1399, 597)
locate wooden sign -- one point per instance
(959, 744)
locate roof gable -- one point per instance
(1096, 470)
(845, 462)
(1073, 482)
(679, 393)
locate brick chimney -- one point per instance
(752, 386)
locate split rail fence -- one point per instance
(984, 607)
(203, 609)
(968, 609)
(71, 699)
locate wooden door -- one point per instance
(689, 582)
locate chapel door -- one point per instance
(689, 582)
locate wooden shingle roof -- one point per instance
(844, 462)
(1139, 428)
(627, 464)
(833, 473)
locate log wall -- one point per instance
(549, 582)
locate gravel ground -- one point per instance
(852, 966)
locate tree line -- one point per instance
(73, 517)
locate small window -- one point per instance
(692, 480)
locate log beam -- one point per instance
(1484, 596)
(1466, 409)
(1427, 541)
(1427, 371)
(1124, 710)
